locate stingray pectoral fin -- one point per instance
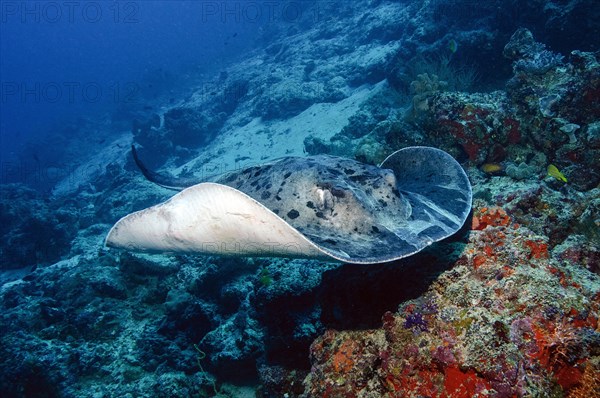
(438, 190)
(211, 218)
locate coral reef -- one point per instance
(32, 231)
(509, 319)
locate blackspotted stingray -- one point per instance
(322, 207)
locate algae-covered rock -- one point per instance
(32, 230)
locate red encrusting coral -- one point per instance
(486, 328)
(494, 216)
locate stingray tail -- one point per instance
(165, 181)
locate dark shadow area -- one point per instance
(352, 297)
(356, 296)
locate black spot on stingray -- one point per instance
(265, 195)
(382, 202)
(268, 186)
(282, 184)
(358, 178)
(333, 242)
(396, 192)
(286, 175)
(338, 192)
(231, 178)
(253, 183)
(310, 205)
(258, 172)
(375, 229)
(278, 197)
(320, 215)
(355, 229)
(276, 211)
(293, 214)
(349, 171)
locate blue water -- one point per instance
(61, 62)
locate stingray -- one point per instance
(319, 207)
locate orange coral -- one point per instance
(463, 384)
(537, 249)
(343, 361)
(478, 261)
(486, 217)
(590, 383)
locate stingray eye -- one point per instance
(389, 177)
(324, 199)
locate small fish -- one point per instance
(452, 46)
(554, 172)
(491, 168)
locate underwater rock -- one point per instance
(288, 98)
(521, 171)
(441, 344)
(589, 221)
(554, 101)
(371, 151)
(278, 381)
(529, 56)
(33, 231)
(547, 103)
(581, 250)
(191, 127)
(543, 110)
(593, 135)
(520, 45)
(233, 347)
(473, 123)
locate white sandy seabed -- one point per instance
(236, 146)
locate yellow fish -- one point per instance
(491, 168)
(554, 172)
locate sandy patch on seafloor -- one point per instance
(259, 141)
(237, 146)
(94, 165)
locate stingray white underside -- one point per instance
(210, 218)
